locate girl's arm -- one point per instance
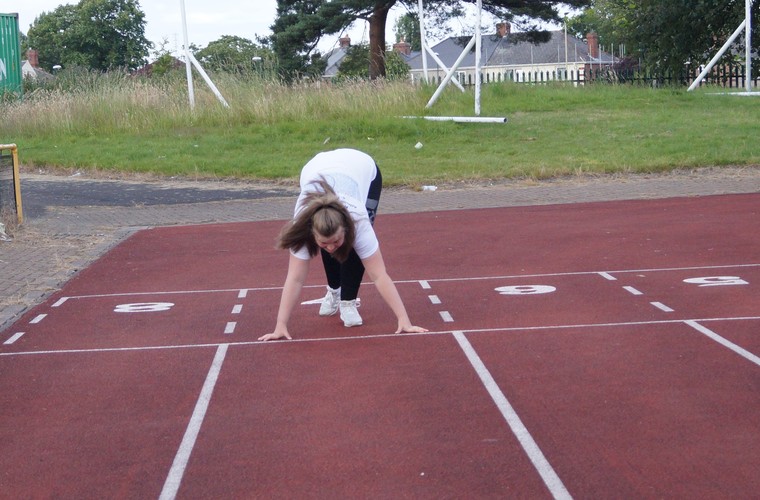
(298, 269)
(375, 267)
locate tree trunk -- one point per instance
(377, 41)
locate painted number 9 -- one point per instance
(716, 281)
(143, 307)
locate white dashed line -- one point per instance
(434, 299)
(243, 294)
(446, 316)
(632, 290)
(60, 302)
(38, 319)
(607, 276)
(230, 328)
(662, 307)
(237, 309)
(425, 285)
(14, 338)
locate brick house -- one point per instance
(30, 68)
(508, 57)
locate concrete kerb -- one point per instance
(50, 249)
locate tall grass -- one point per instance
(115, 122)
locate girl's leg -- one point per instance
(332, 269)
(373, 197)
(331, 302)
(352, 270)
(351, 274)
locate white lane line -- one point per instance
(237, 308)
(607, 276)
(241, 293)
(446, 316)
(542, 465)
(37, 319)
(424, 283)
(662, 307)
(434, 299)
(578, 273)
(724, 342)
(173, 480)
(272, 344)
(230, 327)
(632, 290)
(14, 338)
(60, 302)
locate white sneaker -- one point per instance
(349, 314)
(330, 303)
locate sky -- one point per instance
(206, 20)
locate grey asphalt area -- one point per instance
(71, 220)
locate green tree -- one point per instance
(94, 34)
(407, 29)
(234, 54)
(164, 63)
(667, 34)
(356, 64)
(300, 24)
(23, 41)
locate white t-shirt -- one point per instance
(350, 173)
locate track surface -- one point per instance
(590, 350)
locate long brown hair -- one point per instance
(321, 212)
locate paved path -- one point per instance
(70, 221)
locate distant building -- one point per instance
(147, 70)
(335, 56)
(509, 57)
(30, 68)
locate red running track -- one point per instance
(590, 350)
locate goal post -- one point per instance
(10, 185)
(745, 26)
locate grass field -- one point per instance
(116, 124)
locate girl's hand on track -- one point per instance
(411, 329)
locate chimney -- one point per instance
(345, 42)
(593, 45)
(503, 29)
(33, 57)
(403, 47)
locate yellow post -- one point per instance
(16, 180)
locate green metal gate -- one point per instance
(10, 55)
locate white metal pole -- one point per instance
(445, 68)
(208, 80)
(451, 73)
(718, 55)
(188, 64)
(478, 49)
(423, 41)
(748, 45)
(565, 50)
(463, 119)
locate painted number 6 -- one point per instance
(525, 289)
